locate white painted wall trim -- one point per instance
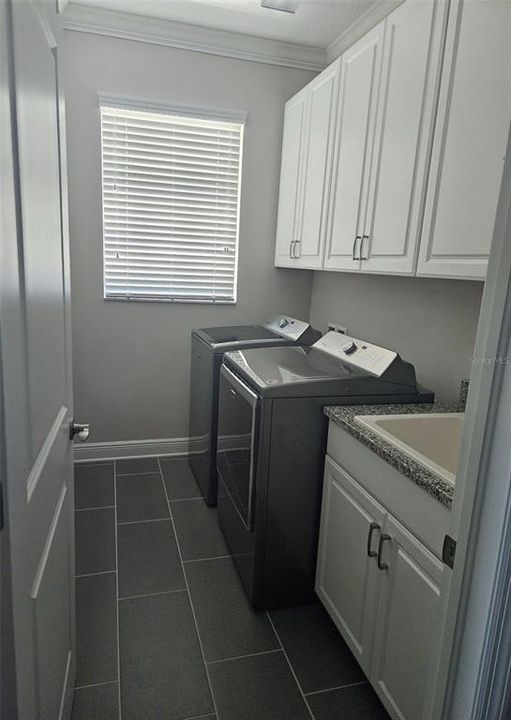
(132, 102)
(128, 26)
(119, 449)
(375, 14)
(116, 450)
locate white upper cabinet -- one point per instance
(305, 172)
(470, 141)
(317, 168)
(356, 114)
(289, 193)
(393, 156)
(411, 64)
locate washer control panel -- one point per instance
(366, 356)
(287, 327)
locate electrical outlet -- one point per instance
(342, 329)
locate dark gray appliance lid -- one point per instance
(278, 330)
(280, 366)
(330, 367)
(235, 333)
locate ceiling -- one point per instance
(316, 23)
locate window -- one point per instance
(171, 190)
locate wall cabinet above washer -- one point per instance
(305, 172)
(470, 140)
(363, 198)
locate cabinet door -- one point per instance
(358, 94)
(346, 577)
(310, 236)
(290, 171)
(470, 141)
(407, 627)
(411, 65)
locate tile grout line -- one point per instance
(337, 687)
(207, 559)
(101, 572)
(241, 657)
(117, 594)
(137, 522)
(100, 507)
(178, 500)
(156, 594)
(290, 666)
(189, 595)
(144, 472)
(93, 685)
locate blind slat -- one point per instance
(134, 180)
(170, 206)
(165, 146)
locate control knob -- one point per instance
(349, 348)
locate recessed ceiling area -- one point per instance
(316, 23)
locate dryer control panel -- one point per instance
(364, 355)
(286, 326)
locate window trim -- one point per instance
(196, 111)
(131, 102)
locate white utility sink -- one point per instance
(431, 439)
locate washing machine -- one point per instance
(208, 348)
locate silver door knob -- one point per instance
(80, 429)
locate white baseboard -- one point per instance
(116, 450)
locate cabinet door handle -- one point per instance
(383, 538)
(354, 250)
(372, 527)
(291, 249)
(362, 257)
(296, 253)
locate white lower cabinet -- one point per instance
(406, 623)
(381, 587)
(348, 515)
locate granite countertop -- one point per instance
(344, 415)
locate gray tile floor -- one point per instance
(164, 630)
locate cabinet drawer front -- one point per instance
(347, 577)
(407, 628)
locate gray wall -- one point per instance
(131, 360)
(432, 323)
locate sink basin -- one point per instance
(432, 439)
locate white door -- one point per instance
(35, 366)
(407, 626)
(356, 111)
(311, 226)
(411, 65)
(347, 576)
(290, 192)
(470, 141)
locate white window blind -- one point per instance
(171, 190)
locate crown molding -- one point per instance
(375, 14)
(82, 18)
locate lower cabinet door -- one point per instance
(407, 619)
(347, 575)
